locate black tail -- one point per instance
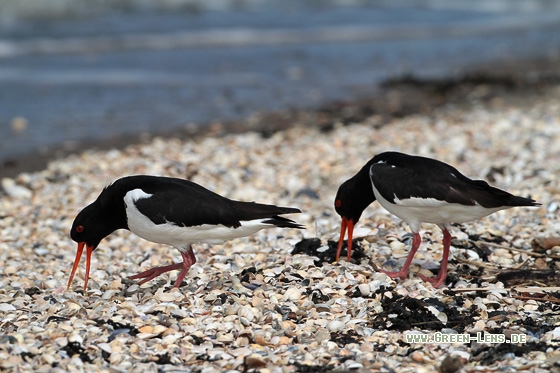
(489, 196)
(521, 201)
(251, 211)
(282, 222)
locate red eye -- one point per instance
(80, 228)
(338, 203)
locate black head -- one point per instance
(90, 227)
(347, 203)
(95, 222)
(352, 198)
(354, 195)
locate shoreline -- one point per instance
(514, 81)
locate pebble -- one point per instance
(335, 326)
(19, 124)
(5, 307)
(14, 190)
(293, 294)
(365, 289)
(417, 356)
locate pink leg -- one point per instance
(440, 278)
(188, 260)
(404, 271)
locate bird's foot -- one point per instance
(188, 260)
(398, 274)
(152, 273)
(435, 281)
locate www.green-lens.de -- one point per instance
(479, 337)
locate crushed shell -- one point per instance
(287, 311)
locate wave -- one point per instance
(243, 37)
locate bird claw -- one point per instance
(435, 281)
(152, 273)
(398, 274)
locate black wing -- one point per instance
(407, 176)
(185, 203)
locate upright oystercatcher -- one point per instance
(170, 211)
(417, 190)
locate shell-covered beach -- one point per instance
(275, 301)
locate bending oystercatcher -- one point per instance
(417, 190)
(170, 211)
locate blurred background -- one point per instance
(75, 73)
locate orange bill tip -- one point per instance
(346, 225)
(343, 226)
(89, 251)
(76, 262)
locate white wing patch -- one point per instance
(419, 202)
(134, 195)
(384, 162)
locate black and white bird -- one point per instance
(418, 190)
(170, 211)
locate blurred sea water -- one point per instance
(78, 70)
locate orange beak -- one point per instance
(346, 224)
(89, 250)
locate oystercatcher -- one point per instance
(417, 190)
(170, 211)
